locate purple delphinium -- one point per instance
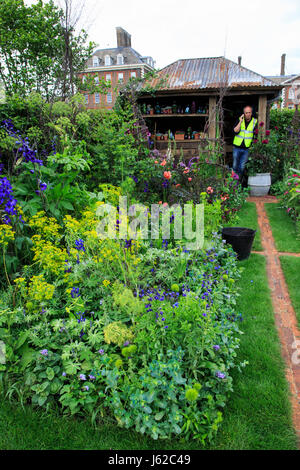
(216, 347)
(101, 351)
(28, 154)
(82, 377)
(44, 352)
(7, 200)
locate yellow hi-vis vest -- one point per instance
(245, 134)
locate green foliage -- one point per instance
(35, 43)
(290, 198)
(281, 120)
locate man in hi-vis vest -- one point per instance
(244, 132)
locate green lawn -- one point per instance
(283, 229)
(248, 218)
(257, 415)
(291, 270)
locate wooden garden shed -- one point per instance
(185, 105)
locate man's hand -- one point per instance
(242, 117)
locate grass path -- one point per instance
(283, 229)
(291, 270)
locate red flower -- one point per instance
(255, 141)
(167, 175)
(276, 128)
(261, 124)
(267, 132)
(256, 131)
(265, 141)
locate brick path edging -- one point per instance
(285, 317)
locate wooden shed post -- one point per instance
(212, 117)
(262, 110)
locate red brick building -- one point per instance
(115, 66)
(290, 94)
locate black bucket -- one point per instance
(240, 239)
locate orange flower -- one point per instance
(210, 190)
(190, 179)
(167, 175)
(177, 185)
(156, 161)
(163, 163)
(160, 202)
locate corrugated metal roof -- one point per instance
(280, 79)
(209, 72)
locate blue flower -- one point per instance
(44, 352)
(43, 186)
(75, 292)
(220, 375)
(82, 377)
(79, 244)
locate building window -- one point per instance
(133, 74)
(107, 60)
(97, 98)
(83, 79)
(291, 94)
(120, 59)
(121, 77)
(95, 61)
(86, 98)
(96, 80)
(109, 97)
(108, 77)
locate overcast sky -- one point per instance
(258, 30)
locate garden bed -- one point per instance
(257, 416)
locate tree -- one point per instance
(39, 50)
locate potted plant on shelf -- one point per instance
(261, 161)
